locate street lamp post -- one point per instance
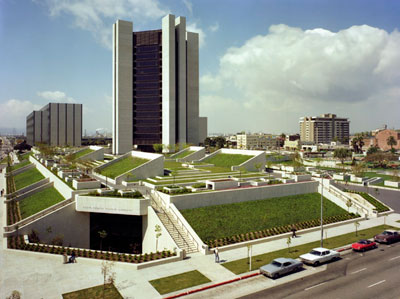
(322, 225)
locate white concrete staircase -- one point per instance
(174, 229)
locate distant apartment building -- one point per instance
(156, 86)
(256, 141)
(292, 142)
(56, 124)
(324, 129)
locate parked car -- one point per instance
(319, 255)
(363, 245)
(388, 236)
(281, 266)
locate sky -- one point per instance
(263, 64)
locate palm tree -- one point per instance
(391, 142)
(354, 144)
(361, 143)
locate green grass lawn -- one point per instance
(82, 153)
(122, 166)
(177, 282)
(183, 154)
(27, 178)
(333, 169)
(221, 221)
(173, 165)
(110, 292)
(25, 156)
(39, 201)
(20, 165)
(242, 265)
(227, 160)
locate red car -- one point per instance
(363, 245)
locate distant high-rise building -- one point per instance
(56, 124)
(155, 86)
(324, 129)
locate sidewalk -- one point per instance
(38, 275)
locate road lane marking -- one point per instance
(393, 258)
(379, 282)
(317, 285)
(358, 270)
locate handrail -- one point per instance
(159, 205)
(38, 215)
(340, 193)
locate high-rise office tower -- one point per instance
(56, 124)
(156, 86)
(324, 128)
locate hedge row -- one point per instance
(19, 243)
(277, 230)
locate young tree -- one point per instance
(158, 232)
(108, 274)
(357, 224)
(391, 142)
(158, 147)
(288, 242)
(102, 235)
(349, 204)
(342, 154)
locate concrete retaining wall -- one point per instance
(165, 241)
(204, 199)
(199, 153)
(392, 184)
(61, 187)
(112, 205)
(85, 184)
(73, 226)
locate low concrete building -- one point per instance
(256, 141)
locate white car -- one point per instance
(319, 255)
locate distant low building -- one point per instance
(380, 139)
(256, 141)
(292, 142)
(56, 124)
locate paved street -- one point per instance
(373, 274)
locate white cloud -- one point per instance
(193, 27)
(189, 6)
(289, 73)
(13, 113)
(215, 27)
(56, 96)
(96, 16)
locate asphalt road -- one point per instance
(388, 197)
(373, 274)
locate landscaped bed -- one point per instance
(109, 291)
(242, 265)
(231, 223)
(227, 160)
(177, 282)
(122, 166)
(27, 178)
(19, 165)
(39, 201)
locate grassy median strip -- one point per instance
(39, 201)
(122, 166)
(27, 178)
(97, 292)
(178, 282)
(220, 221)
(242, 265)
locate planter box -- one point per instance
(64, 173)
(286, 181)
(356, 179)
(79, 185)
(259, 183)
(49, 163)
(301, 177)
(221, 184)
(392, 184)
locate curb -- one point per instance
(212, 286)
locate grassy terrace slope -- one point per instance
(122, 166)
(227, 160)
(183, 154)
(27, 178)
(20, 165)
(239, 218)
(39, 201)
(82, 153)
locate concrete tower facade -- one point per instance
(156, 86)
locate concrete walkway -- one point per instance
(38, 275)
